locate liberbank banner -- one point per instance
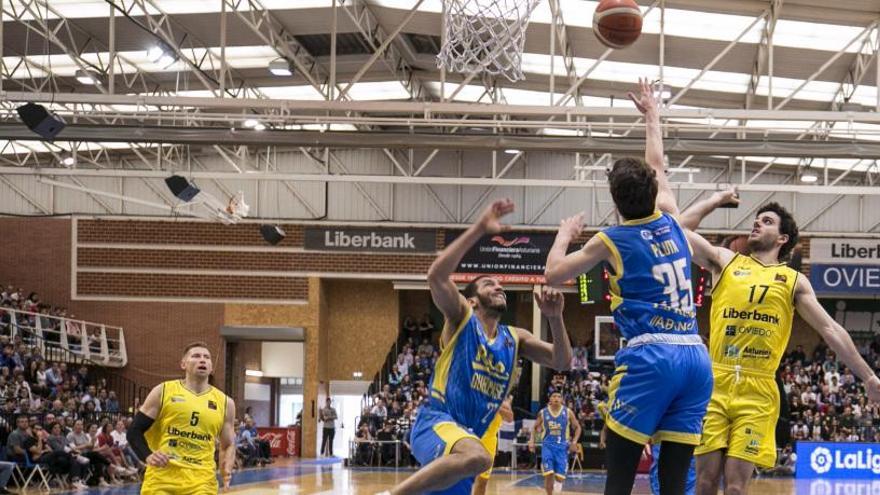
(845, 266)
(373, 240)
(515, 257)
(837, 460)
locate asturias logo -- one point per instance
(821, 460)
(513, 242)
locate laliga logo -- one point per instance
(821, 460)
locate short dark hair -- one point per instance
(193, 345)
(470, 290)
(633, 187)
(787, 226)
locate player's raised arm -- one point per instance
(837, 338)
(443, 290)
(560, 266)
(691, 217)
(647, 104)
(558, 354)
(227, 444)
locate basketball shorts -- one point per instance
(554, 459)
(742, 417)
(490, 441)
(690, 487)
(175, 480)
(434, 435)
(660, 390)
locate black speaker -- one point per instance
(181, 188)
(39, 120)
(272, 233)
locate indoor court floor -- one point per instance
(329, 477)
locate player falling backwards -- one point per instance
(753, 304)
(176, 430)
(473, 375)
(663, 377)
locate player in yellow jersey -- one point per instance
(753, 306)
(176, 430)
(490, 441)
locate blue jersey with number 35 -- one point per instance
(651, 280)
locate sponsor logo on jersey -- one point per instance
(178, 398)
(755, 353)
(647, 235)
(780, 278)
(754, 315)
(731, 351)
(734, 330)
(742, 273)
(193, 435)
(212, 405)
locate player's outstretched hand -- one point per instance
(491, 218)
(872, 387)
(728, 196)
(571, 227)
(550, 301)
(157, 459)
(645, 101)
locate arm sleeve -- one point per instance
(135, 435)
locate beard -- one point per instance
(488, 304)
(759, 245)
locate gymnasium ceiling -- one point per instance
(787, 84)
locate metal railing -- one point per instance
(102, 345)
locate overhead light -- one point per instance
(161, 55)
(357, 375)
(256, 373)
(259, 127)
(68, 161)
(87, 77)
(809, 177)
(280, 67)
(662, 93)
(251, 123)
(511, 151)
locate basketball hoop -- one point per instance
(485, 36)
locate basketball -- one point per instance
(740, 244)
(617, 23)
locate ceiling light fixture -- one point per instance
(87, 77)
(280, 67)
(68, 161)
(808, 176)
(259, 127)
(161, 55)
(251, 123)
(511, 151)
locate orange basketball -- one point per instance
(740, 244)
(617, 23)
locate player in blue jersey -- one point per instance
(555, 422)
(474, 372)
(663, 377)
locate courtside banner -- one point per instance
(837, 460)
(518, 255)
(845, 279)
(844, 251)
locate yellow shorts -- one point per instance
(490, 441)
(173, 480)
(741, 417)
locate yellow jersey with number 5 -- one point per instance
(186, 429)
(752, 312)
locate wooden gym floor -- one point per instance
(329, 477)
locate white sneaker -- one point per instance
(79, 485)
(82, 459)
(557, 486)
(103, 483)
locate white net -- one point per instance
(485, 36)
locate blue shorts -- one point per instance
(433, 436)
(554, 459)
(660, 391)
(690, 487)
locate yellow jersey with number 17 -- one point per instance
(186, 429)
(752, 312)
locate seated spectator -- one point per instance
(106, 446)
(426, 327)
(58, 443)
(120, 441)
(244, 444)
(80, 442)
(112, 404)
(363, 440)
(387, 448)
(409, 327)
(264, 449)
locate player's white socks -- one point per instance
(557, 486)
